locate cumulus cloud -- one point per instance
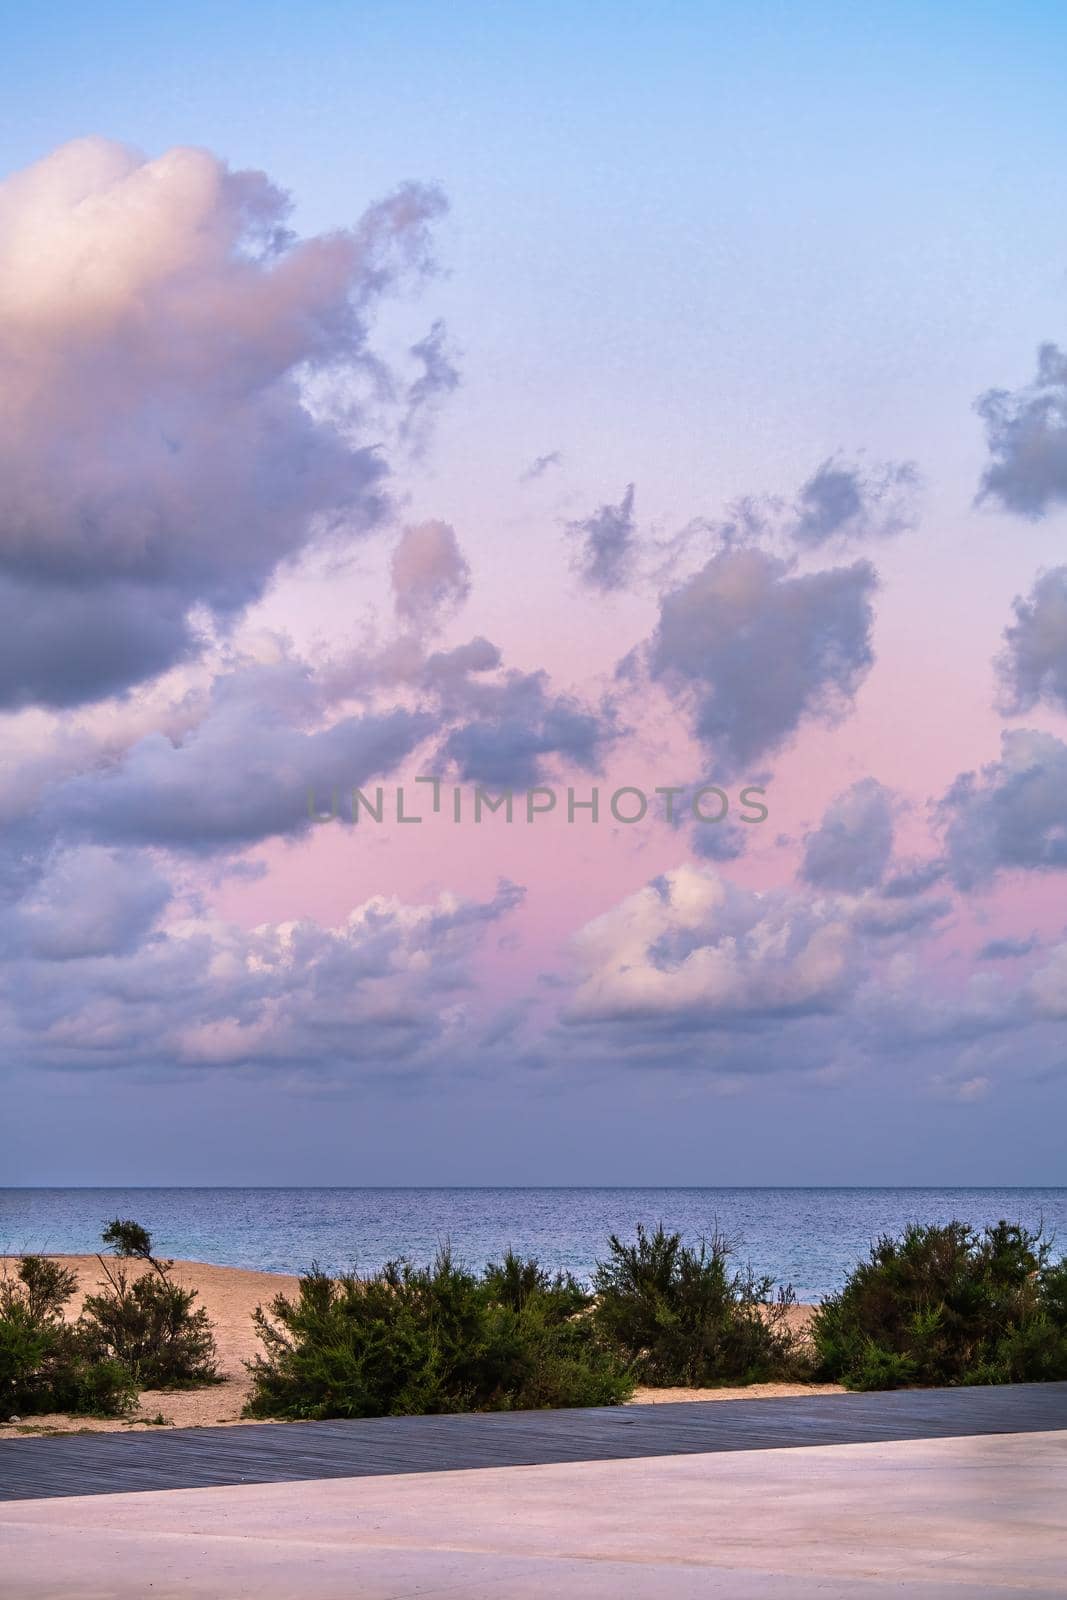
(850, 849)
(1026, 431)
(843, 502)
(696, 972)
(693, 949)
(430, 575)
(1033, 666)
(1012, 815)
(157, 453)
(757, 649)
(607, 544)
(85, 902)
(386, 990)
(1047, 988)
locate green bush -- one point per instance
(947, 1305)
(148, 1324)
(679, 1315)
(45, 1364)
(415, 1340)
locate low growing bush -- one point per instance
(947, 1305)
(45, 1362)
(148, 1324)
(678, 1315)
(415, 1340)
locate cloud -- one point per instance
(910, 878)
(157, 449)
(608, 544)
(387, 990)
(880, 917)
(1047, 988)
(846, 503)
(241, 775)
(516, 724)
(719, 841)
(1009, 949)
(1033, 666)
(540, 465)
(758, 650)
(1026, 431)
(691, 949)
(85, 902)
(424, 397)
(1013, 815)
(850, 849)
(430, 575)
(234, 761)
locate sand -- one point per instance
(230, 1295)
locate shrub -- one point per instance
(415, 1340)
(947, 1305)
(148, 1323)
(679, 1315)
(45, 1364)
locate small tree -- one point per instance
(680, 1315)
(148, 1323)
(948, 1304)
(414, 1340)
(45, 1364)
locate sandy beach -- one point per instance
(230, 1295)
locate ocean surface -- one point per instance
(809, 1238)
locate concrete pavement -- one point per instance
(934, 1519)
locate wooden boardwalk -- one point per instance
(186, 1458)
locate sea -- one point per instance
(806, 1238)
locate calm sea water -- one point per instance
(807, 1237)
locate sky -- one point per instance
(548, 401)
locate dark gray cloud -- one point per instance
(910, 878)
(63, 644)
(1026, 431)
(850, 502)
(1033, 665)
(235, 764)
(156, 451)
(851, 847)
(719, 841)
(425, 396)
(1009, 949)
(540, 465)
(240, 774)
(882, 918)
(608, 544)
(1010, 816)
(518, 724)
(758, 650)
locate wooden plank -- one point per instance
(185, 1458)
